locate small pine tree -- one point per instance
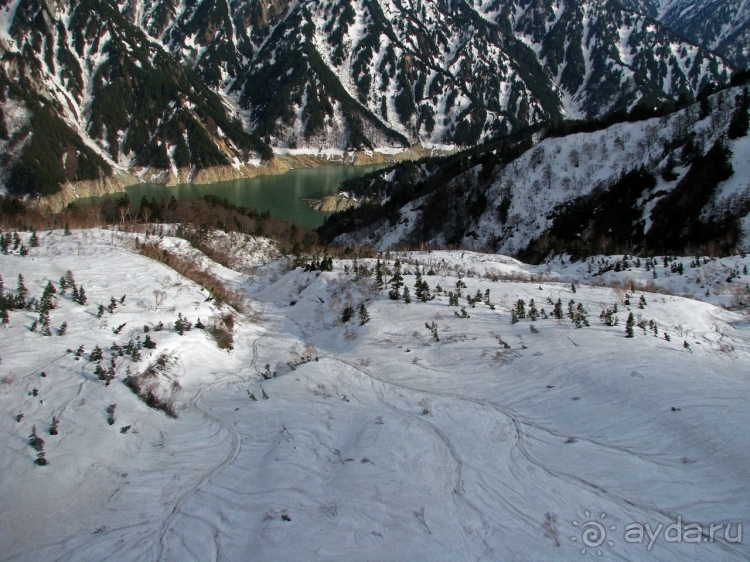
(53, 427)
(558, 311)
(364, 316)
(533, 311)
(96, 354)
(62, 329)
(112, 305)
(407, 297)
(21, 292)
(100, 311)
(379, 275)
(182, 324)
(397, 281)
(642, 302)
(573, 285)
(520, 309)
(33, 240)
(629, 325)
(148, 343)
(433, 328)
(347, 314)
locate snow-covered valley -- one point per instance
(428, 432)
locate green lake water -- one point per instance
(280, 194)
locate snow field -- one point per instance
(381, 422)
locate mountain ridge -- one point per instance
(168, 86)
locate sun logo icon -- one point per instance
(593, 533)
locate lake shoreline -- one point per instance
(283, 195)
(283, 162)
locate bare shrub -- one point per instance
(149, 385)
(740, 299)
(221, 329)
(426, 407)
(549, 526)
(190, 268)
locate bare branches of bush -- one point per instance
(155, 385)
(189, 267)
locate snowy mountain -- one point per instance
(175, 86)
(424, 433)
(664, 184)
(720, 25)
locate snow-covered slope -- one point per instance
(376, 441)
(720, 25)
(571, 188)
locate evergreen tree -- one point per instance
(533, 311)
(62, 329)
(629, 325)
(182, 324)
(407, 297)
(21, 292)
(513, 316)
(433, 328)
(397, 281)
(96, 354)
(82, 297)
(558, 311)
(33, 240)
(53, 427)
(347, 314)
(364, 316)
(379, 275)
(520, 309)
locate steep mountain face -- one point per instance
(676, 183)
(188, 85)
(720, 25)
(90, 92)
(358, 73)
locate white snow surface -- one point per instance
(382, 424)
